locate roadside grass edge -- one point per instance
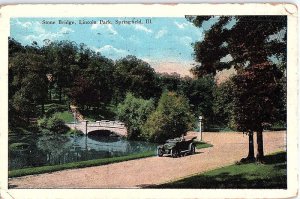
(74, 165)
(202, 145)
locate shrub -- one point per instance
(57, 125)
(75, 132)
(172, 118)
(42, 122)
(52, 125)
(18, 146)
(134, 112)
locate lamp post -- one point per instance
(74, 116)
(200, 127)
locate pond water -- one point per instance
(59, 149)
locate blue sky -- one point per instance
(165, 43)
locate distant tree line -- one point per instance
(67, 73)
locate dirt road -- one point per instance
(228, 148)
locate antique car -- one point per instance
(177, 147)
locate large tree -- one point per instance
(61, 57)
(241, 42)
(258, 100)
(136, 76)
(27, 84)
(199, 91)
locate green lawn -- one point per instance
(66, 116)
(202, 145)
(271, 174)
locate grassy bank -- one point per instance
(66, 116)
(74, 165)
(272, 174)
(202, 145)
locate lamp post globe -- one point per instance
(200, 127)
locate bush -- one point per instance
(52, 125)
(56, 125)
(134, 113)
(172, 118)
(75, 132)
(19, 146)
(42, 122)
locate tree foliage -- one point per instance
(199, 92)
(258, 100)
(223, 104)
(52, 125)
(258, 97)
(134, 112)
(248, 40)
(172, 118)
(136, 76)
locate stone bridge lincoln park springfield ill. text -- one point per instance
(86, 126)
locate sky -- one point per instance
(165, 43)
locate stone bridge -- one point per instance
(86, 126)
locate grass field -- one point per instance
(66, 116)
(271, 174)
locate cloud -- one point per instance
(186, 40)
(160, 33)
(26, 24)
(65, 30)
(104, 27)
(95, 26)
(41, 34)
(134, 39)
(142, 28)
(181, 25)
(111, 52)
(146, 59)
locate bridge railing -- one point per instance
(107, 123)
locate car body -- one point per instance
(176, 147)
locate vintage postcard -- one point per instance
(149, 101)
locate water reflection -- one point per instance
(54, 147)
(59, 149)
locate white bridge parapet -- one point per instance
(86, 127)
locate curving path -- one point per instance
(228, 148)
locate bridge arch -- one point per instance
(104, 133)
(114, 126)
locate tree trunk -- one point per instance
(50, 94)
(43, 108)
(59, 93)
(251, 147)
(260, 146)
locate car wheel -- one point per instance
(159, 152)
(174, 153)
(193, 149)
